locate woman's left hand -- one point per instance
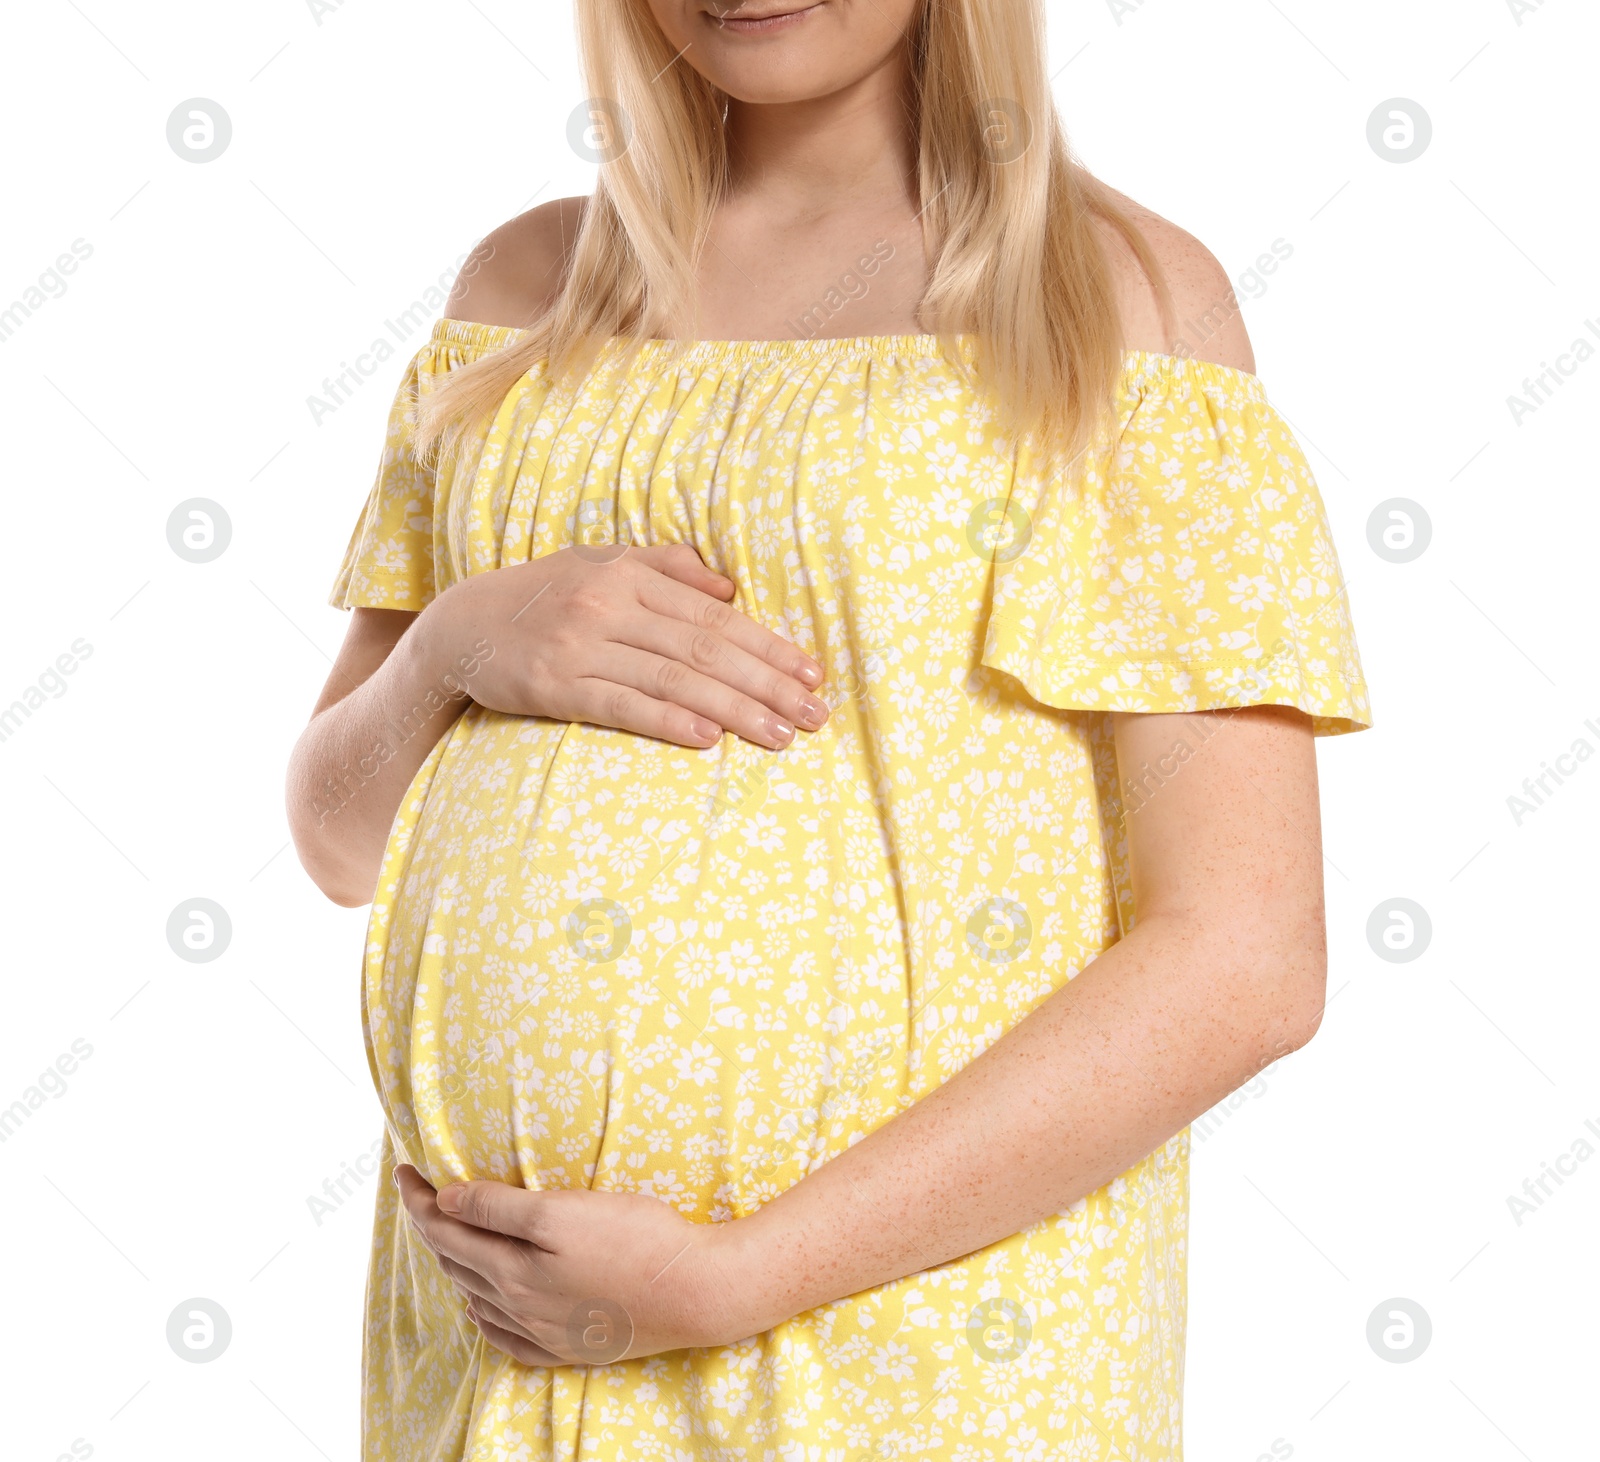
(574, 1277)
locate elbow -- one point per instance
(1266, 976)
(1294, 986)
(1273, 976)
(336, 879)
(340, 885)
(337, 886)
(325, 852)
(346, 898)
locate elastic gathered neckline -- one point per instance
(821, 348)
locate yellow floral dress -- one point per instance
(596, 959)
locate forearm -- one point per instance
(1149, 1036)
(356, 758)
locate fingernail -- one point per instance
(810, 674)
(781, 730)
(449, 1198)
(813, 712)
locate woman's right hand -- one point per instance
(637, 638)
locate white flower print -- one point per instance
(770, 978)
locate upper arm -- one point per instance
(368, 640)
(1224, 835)
(1206, 321)
(515, 273)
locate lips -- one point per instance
(744, 18)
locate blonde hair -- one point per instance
(1008, 217)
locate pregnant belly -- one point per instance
(599, 960)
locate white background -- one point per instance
(369, 152)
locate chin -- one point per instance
(807, 58)
(781, 89)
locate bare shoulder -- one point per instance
(515, 272)
(1206, 321)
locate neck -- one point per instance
(827, 153)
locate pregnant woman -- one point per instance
(826, 730)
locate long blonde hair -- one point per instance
(1008, 218)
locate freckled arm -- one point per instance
(1223, 973)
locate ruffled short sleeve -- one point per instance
(389, 561)
(399, 556)
(1186, 566)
